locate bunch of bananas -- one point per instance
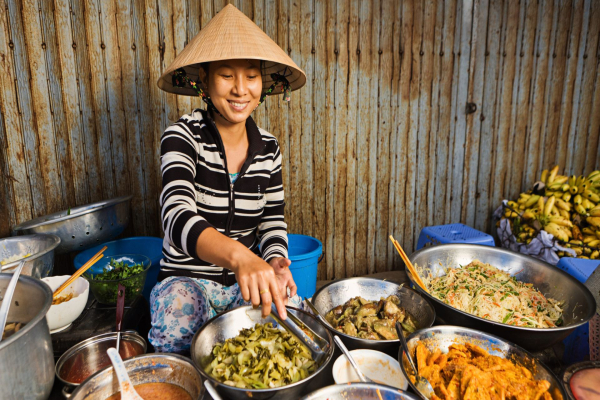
(566, 207)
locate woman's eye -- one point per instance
(252, 76)
(227, 76)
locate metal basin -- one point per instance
(26, 358)
(360, 391)
(443, 336)
(41, 247)
(149, 368)
(89, 356)
(579, 304)
(228, 325)
(338, 292)
(82, 227)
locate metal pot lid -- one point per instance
(64, 215)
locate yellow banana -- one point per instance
(540, 205)
(583, 187)
(564, 214)
(592, 196)
(579, 180)
(552, 175)
(598, 234)
(588, 231)
(572, 180)
(563, 205)
(561, 221)
(577, 199)
(578, 242)
(544, 175)
(532, 200)
(555, 231)
(573, 189)
(588, 205)
(593, 173)
(567, 197)
(594, 255)
(580, 209)
(594, 243)
(549, 205)
(560, 179)
(595, 212)
(512, 204)
(565, 187)
(594, 176)
(528, 215)
(588, 239)
(555, 186)
(594, 221)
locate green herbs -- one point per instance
(105, 285)
(260, 358)
(119, 270)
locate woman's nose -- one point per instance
(241, 86)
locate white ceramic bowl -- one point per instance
(373, 364)
(61, 315)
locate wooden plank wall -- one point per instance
(379, 141)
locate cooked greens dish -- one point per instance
(373, 320)
(118, 270)
(260, 358)
(105, 286)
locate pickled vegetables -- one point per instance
(260, 358)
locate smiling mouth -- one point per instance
(238, 106)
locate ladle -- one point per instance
(344, 350)
(7, 298)
(421, 383)
(127, 390)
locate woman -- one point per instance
(222, 200)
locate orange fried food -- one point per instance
(468, 372)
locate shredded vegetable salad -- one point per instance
(487, 292)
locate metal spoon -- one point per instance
(344, 350)
(317, 353)
(212, 391)
(421, 383)
(7, 298)
(127, 390)
(316, 312)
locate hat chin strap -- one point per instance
(180, 78)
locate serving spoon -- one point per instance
(127, 390)
(7, 298)
(344, 350)
(421, 383)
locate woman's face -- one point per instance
(234, 87)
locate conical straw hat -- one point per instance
(232, 35)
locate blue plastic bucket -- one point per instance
(304, 252)
(148, 246)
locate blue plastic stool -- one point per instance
(452, 233)
(577, 344)
(148, 246)
(304, 252)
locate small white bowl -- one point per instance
(373, 364)
(62, 315)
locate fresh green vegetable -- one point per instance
(260, 358)
(105, 285)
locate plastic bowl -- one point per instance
(372, 363)
(106, 291)
(61, 315)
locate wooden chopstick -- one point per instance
(409, 265)
(79, 272)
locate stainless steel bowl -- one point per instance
(338, 292)
(579, 304)
(228, 325)
(444, 335)
(82, 227)
(26, 358)
(149, 368)
(89, 356)
(360, 391)
(41, 247)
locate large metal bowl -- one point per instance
(82, 227)
(338, 292)
(360, 391)
(149, 368)
(444, 335)
(228, 325)
(26, 358)
(41, 247)
(579, 304)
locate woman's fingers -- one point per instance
(267, 299)
(293, 287)
(245, 291)
(277, 299)
(254, 293)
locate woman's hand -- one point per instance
(284, 277)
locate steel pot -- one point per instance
(26, 358)
(579, 304)
(41, 247)
(89, 356)
(338, 292)
(164, 368)
(228, 325)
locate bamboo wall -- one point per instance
(415, 112)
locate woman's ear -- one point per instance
(203, 76)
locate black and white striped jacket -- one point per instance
(197, 194)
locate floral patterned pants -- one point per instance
(179, 306)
